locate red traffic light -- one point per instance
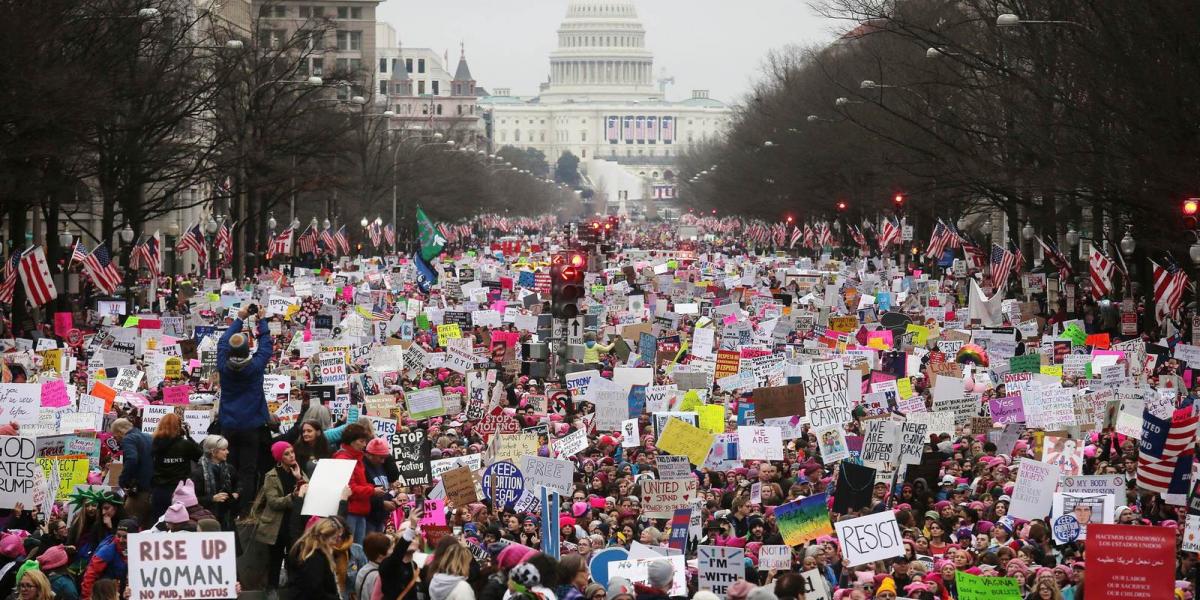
(567, 273)
(898, 199)
(578, 261)
(595, 225)
(1191, 206)
(841, 205)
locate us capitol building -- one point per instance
(604, 103)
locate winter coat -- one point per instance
(173, 459)
(138, 458)
(361, 490)
(273, 509)
(450, 587)
(313, 579)
(243, 405)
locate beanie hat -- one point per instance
(185, 493)
(11, 546)
(378, 447)
(277, 450)
(128, 526)
(239, 346)
(619, 586)
(740, 590)
(526, 575)
(29, 565)
(659, 574)
(888, 585)
(53, 558)
(176, 514)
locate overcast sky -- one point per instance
(716, 45)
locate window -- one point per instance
(420, 65)
(583, 152)
(349, 40)
(408, 65)
(383, 65)
(504, 136)
(271, 38)
(313, 40)
(312, 12)
(383, 88)
(472, 109)
(460, 110)
(583, 135)
(542, 137)
(349, 12)
(439, 109)
(517, 135)
(275, 11)
(421, 87)
(435, 86)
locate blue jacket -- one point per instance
(138, 458)
(243, 405)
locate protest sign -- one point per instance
(325, 487)
(425, 403)
(774, 558)
(460, 486)
(682, 439)
(661, 497)
(17, 468)
(553, 474)
(975, 587)
(870, 538)
(760, 443)
(503, 483)
(573, 443)
(1033, 493)
(20, 403)
(804, 520)
(782, 401)
(182, 565)
(719, 567)
(410, 452)
(672, 467)
(816, 587)
(1127, 562)
(826, 395)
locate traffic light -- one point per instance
(1191, 207)
(566, 283)
(898, 201)
(841, 206)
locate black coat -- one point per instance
(313, 579)
(173, 459)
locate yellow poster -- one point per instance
(448, 332)
(921, 332)
(682, 439)
(844, 324)
(72, 471)
(712, 417)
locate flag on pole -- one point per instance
(1056, 258)
(101, 270)
(342, 240)
(281, 245)
(193, 239)
(426, 276)
(796, 234)
(975, 255)
(78, 253)
(35, 274)
(1018, 257)
(308, 241)
(9, 284)
(389, 234)
(1162, 474)
(1101, 270)
(938, 240)
(1169, 283)
(431, 239)
(373, 231)
(1002, 266)
(328, 242)
(888, 234)
(224, 243)
(148, 254)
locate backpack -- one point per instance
(360, 579)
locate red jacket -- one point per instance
(361, 490)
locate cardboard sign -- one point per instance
(719, 567)
(682, 439)
(1130, 562)
(782, 401)
(183, 565)
(661, 497)
(17, 469)
(870, 538)
(460, 486)
(760, 443)
(1033, 493)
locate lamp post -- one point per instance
(125, 234)
(172, 239)
(211, 228)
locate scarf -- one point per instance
(216, 479)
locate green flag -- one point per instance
(431, 240)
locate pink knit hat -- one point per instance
(176, 514)
(185, 493)
(277, 450)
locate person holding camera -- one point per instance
(175, 453)
(243, 416)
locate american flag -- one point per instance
(148, 254)
(389, 233)
(975, 255)
(35, 274)
(938, 241)
(224, 243)
(796, 235)
(1002, 265)
(810, 238)
(100, 268)
(889, 234)
(826, 238)
(281, 245)
(78, 253)
(1169, 473)
(1019, 258)
(9, 284)
(956, 236)
(856, 234)
(1101, 270)
(373, 230)
(1056, 258)
(1169, 283)
(328, 242)
(308, 241)
(342, 240)
(193, 239)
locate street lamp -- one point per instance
(149, 14)
(127, 231)
(325, 223)
(315, 81)
(768, 144)
(65, 237)
(1128, 245)
(271, 222)
(364, 222)
(842, 101)
(233, 44)
(1009, 20)
(1027, 231)
(1194, 252)
(1072, 236)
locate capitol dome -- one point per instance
(601, 55)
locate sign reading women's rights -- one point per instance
(826, 401)
(182, 565)
(870, 538)
(17, 467)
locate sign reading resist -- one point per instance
(870, 538)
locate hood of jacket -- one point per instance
(442, 584)
(237, 363)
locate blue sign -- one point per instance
(601, 561)
(637, 400)
(525, 279)
(647, 348)
(503, 482)
(551, 530)
(1066, 528)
